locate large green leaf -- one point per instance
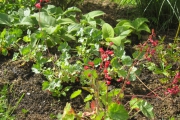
(44, 19)
(117, 40)
(5, 19)
(71, 9)
(26, 21)
(107, 31)
(117, 112)
(51, 9)
(94, 14)
(65, 21)
(138, 22)
(144, 27)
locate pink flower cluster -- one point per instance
(175, 87)
(105, 63)
(38, 5)
(149, 51)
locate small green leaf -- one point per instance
(75, 94)
(4, 51)
(126, 60)
(88, 97)
(26, 50)
(146, 109)
(45, 85)
(117, 112)
(26, 39)
(107, 31)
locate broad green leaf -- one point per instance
(117, 40)
(75, 94)
(126, 60)
(51, 29)
(144, 27)
(94, 14)
(44, 19)
(5, 19)
(71, 9)
(122, 21)
(126, 33)
(117, 112)
(139, 22)
(27, 12)
(88, 97)
(26, 21)
(51, 9)
(65, 21)
(107, 31)
(119, 29)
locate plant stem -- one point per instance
(176, 37)
(148, 88)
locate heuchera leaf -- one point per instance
(117, 112)
(145, 107)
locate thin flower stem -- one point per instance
(148, 87)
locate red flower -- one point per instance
(111, 43)
(174, 90)
(105, 71)
(101, 50)
(86, 67)
(107, 64)
(38, 6)
(89, 75)
(41, 1)
(91, 64)
(152, 52)
(120, 79)
(128, 82)
(109, 52)
(108, 77)
(108, 82)
(154, 43)
(104, 56)
(47, 0)
(177, 75)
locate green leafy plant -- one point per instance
(162, 13)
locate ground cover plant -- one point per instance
(83, 58)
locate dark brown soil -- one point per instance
(41, 105)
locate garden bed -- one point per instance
(38, 104)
